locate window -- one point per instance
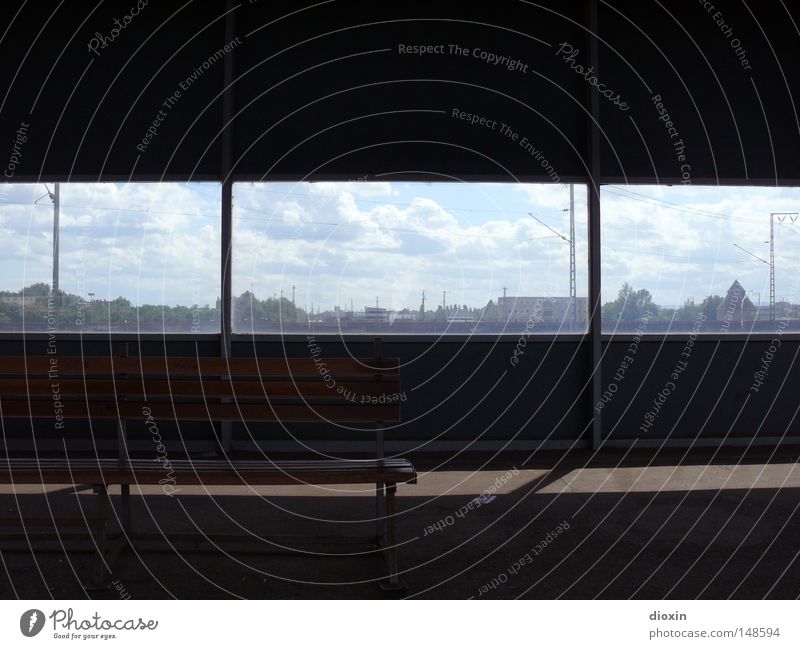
(408, 257)
(698, 259)
(136, 257)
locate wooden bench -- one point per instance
(48, 390)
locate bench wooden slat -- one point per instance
(316, 389)
(163, 411)
(339, 368)
(191, 472)
(200, 464)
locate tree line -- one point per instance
(70, 311)
(632, 305)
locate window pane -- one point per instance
(686, 258)
(136, 257)
(405, 257)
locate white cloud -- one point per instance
(142, 239)
(681, 245)
(468, 240)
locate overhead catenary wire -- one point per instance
(286, 221)
(112, 209)
(397, 204)
(617, 190)
(644, 198)
(386, 228)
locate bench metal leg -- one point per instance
(125, 508)
(380, 493)
(392, 583)
(99, 581)
(380, 514)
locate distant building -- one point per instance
(19, 300)
(547, 310)
(375, 314)
(396, 316)
(736, 307)
(334, 315)
(461, 316)
(785, 310)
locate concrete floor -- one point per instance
(645, 525)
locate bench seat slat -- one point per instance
(339, 368)
(210, 472)
(163, 411)
(317, 389)
(193, 462)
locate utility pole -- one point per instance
(56, 196)
(573, 306)
(781, 218)
(293, 287)
(771, 264)
(571, 242)
(444, 301)
(772, 267)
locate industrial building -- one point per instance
(544, 309)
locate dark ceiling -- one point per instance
(323, 89)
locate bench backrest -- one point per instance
(339, 390)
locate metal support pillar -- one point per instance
(226, 231)
(380, 488)
(99, 579)
(392, 582)
(595, 289)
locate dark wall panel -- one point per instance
(451, 391)
(466, 391)
(716, 394)
(86, 111)
(470, 392)
(323, 89)
(720, 72)
(333, 90)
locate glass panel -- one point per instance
(699, 259)
(408, 257)
(135, 257)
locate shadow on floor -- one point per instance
(578, 528)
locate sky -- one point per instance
(680, 242)
(344, 242)
(153, 243)
(386, 243)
